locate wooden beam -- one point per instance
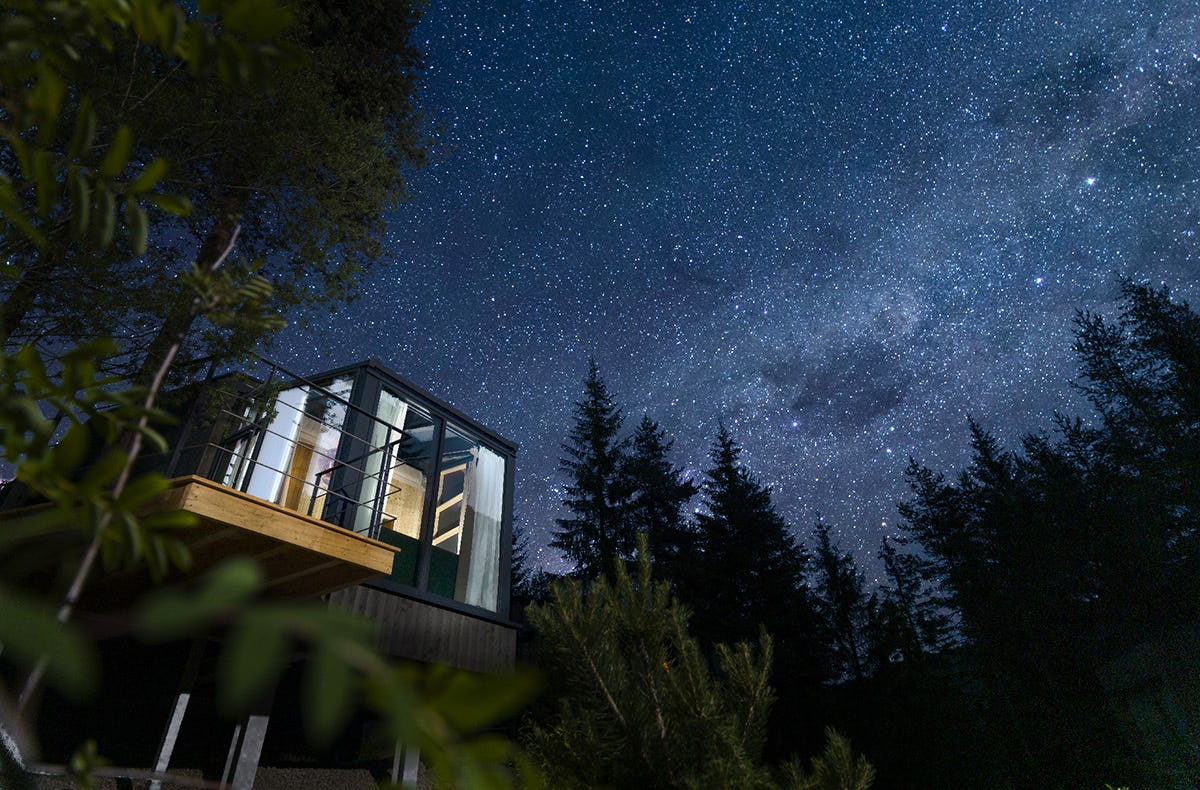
(217, 504)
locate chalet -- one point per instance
(352, 485)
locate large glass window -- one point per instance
(287, 459)
(465, 563)
(364, 457)
(403, 438)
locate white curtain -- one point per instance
(377, 465)
(486, 503)
(275, 454)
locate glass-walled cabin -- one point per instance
(365, 450)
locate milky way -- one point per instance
(840, 228)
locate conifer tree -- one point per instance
(749, 570)
(596, 532)
(657, 495)
(842, 605)
(908, 622)
(529, 583)
(520, 574)
(1077, 553)
(633, 701)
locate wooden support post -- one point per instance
(254, 733)
(171, 735)
(244, 751)
(406, 764)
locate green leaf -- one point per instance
(328, 694)
(172, 204)
(141, 489)
(21, 151)
(85, 129)
(139, 226)
(30, 632)
(11, 210)
(81, 201)
(171, 26)
(171, 520)
(70, 450)
(135, 539)
(178, 553)
(253, 657)
(170, 614)
(118, 153)
(392, 695)
(46, 101)
(196, 47)
(102, 473)
(156, 559)
(106, 213)
(472, 702)
(149, 177)
(257, 20)
(45, 182)
(145, 19)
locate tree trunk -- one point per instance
(179, 319)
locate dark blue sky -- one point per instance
(840, 227)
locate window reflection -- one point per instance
(465, 563)
(404, 436)
(371, 469)
(286, 461)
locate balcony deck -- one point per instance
(300, 556)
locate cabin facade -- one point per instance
(353, 486)
(358, 476)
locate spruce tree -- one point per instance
(633, 701)
(657, 495)
(596, 532)
(842, 605)
(749, 569)
(908, 621)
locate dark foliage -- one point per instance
(843, 607)
(749, 570)
(597, 530)
(656, 495)
(306, 170)
(1079, 551)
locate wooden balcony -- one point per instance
(301, 556)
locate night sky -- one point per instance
(840, 227)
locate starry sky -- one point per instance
(839, 227)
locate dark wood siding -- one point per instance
(423, 632)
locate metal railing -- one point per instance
(234, 435)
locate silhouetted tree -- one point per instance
(749, 570)
(657, 495)
(1065, 558)
(597, 530)
(300, 175)
(908, 621)
(842, 605)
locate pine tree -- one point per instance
(842, 605)
(597, 531)
(529, 583)
(520, 574)
(837, 767)
(634, 702)
(749, 570)
(909, 622)
(657, 495)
